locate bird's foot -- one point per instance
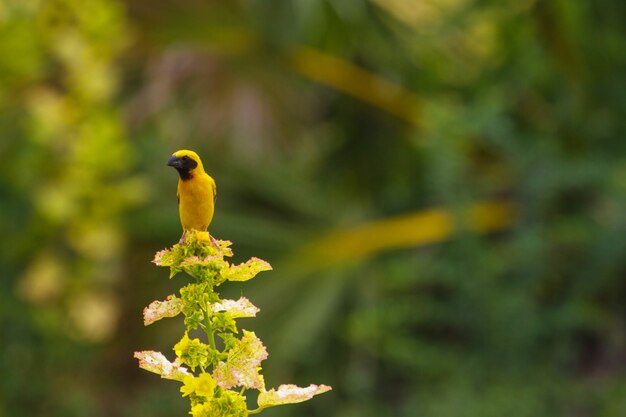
(214, 242)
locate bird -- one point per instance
(196, 192)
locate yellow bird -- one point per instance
(196, 192)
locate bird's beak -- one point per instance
(174, 162)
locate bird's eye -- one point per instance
(185, 158)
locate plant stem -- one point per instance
(208, 328)
(256, 410)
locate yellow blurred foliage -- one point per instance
(351, 79)
(420, 13)
(93, 316)
(413, 229)
(42, 282)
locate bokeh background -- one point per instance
(440, 186)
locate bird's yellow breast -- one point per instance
(196, 202)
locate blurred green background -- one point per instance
(439, 185)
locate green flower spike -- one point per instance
(220, 373)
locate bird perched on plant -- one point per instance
(196, 192)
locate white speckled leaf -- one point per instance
(290, 394)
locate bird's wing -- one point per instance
(213, 187)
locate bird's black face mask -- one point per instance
(183, 165)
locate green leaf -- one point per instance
(195, 299)
(242, 366)
(204, 269)
(198, 256)
(246, 270)
(193, 352)
(224, 404)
